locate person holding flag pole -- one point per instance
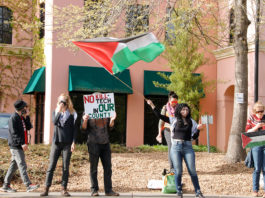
(255, 123)
(183, 130)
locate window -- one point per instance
(5, 26)
(42, 20)
(95, 23)
(137, 19)
(231, 26)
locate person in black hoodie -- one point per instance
(18, 126)
(63, 142)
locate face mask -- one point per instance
(23, 111)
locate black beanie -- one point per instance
(20, 104)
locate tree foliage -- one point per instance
(184, 59)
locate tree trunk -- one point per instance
(235, 152)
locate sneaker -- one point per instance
(32, 187)
(112, 193)
(200, 195)
(7, 189)
(94, 193)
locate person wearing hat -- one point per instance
(18, 125)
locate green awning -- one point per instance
(92, 79)
(149, 87)
(36, 82)
(150, 77)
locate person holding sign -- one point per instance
(99, 148)
(183, 130)
(63, 142)
(256, 122)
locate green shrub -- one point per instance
(203, 148)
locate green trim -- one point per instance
(93, 79)
(36, 82)
(150, 77)
(149, 87)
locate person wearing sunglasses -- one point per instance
(168, 110)
(256, 122)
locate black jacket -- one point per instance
(16, 136)
(64, 133)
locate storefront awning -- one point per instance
(98, 79)
(150, 77)
(149, 87)
(36, 82)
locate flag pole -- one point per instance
(136, 91)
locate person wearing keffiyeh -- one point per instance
(168, 110)
(256, 122)
(63, 142)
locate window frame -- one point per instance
(6, 16)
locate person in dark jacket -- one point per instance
(99, 147)
(63, 142)
(183, 130)
(18, 126)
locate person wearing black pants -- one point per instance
(99, 148)
(63, 142)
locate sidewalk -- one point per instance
(87, 194)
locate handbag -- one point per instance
(169, 185)
(249, 160)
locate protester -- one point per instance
(99, 147)
(63, 141)
(169, 111)
(183, 130)
(18, 126)
(256, 122)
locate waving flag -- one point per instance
(118, 54)
(252, 139)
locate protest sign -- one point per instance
(99, 105)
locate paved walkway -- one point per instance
(87, 194)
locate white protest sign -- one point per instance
(99, 105)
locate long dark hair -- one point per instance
(178, 115)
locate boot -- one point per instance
(64, 192)
(46, 192)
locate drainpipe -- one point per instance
(256, 75)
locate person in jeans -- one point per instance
(63, 142)
(256, 122)
(169, 111)
(18, 126)
(183, 130)
(99, 147)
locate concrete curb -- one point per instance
(87, 194)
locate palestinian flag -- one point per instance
(118, 54)
(252, 139)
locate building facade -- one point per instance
(78, 74)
